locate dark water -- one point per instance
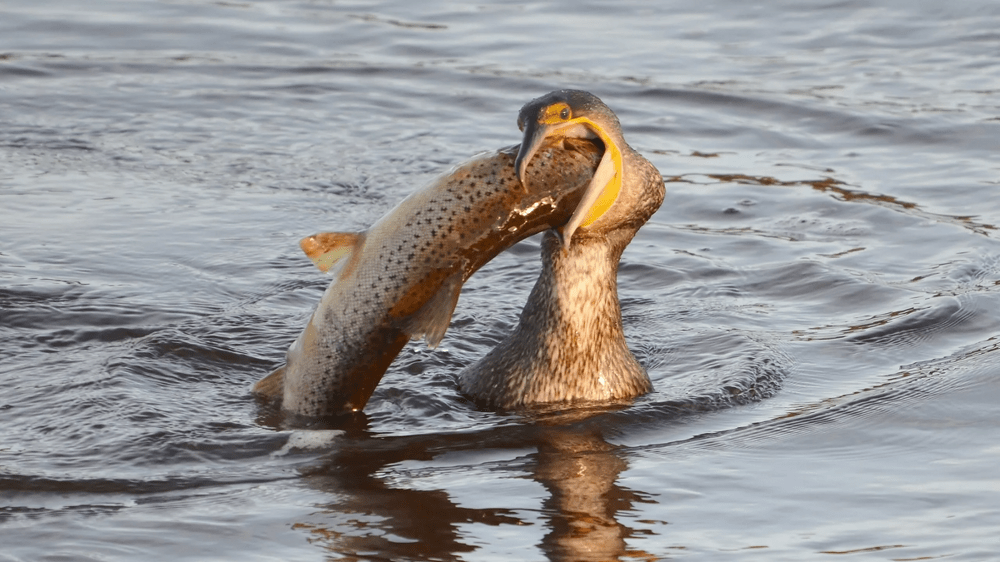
(816, 301)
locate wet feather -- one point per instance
(569, 345)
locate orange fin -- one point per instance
(271, 386)
(433, 318)
(326, 249)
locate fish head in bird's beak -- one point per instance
(576, 114)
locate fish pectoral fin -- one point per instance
(433, 318)
(271, 386)
(327, 248)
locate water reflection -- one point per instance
(373, 515)
(580, 470)
(836, 188)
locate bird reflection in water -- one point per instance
(373, 516)
(580, 470)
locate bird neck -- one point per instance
(569, 345)
(576, 297)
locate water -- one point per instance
(815, 301)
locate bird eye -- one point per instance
(555, 114)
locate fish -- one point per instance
(401, 278)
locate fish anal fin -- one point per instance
(271, 386)
(433, 318)
(326, 249)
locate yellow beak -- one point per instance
(604, 187)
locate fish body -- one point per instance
(401, 278)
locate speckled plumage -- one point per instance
(403, 275)
(569, 345)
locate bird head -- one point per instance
(576, 114)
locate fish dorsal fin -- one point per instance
(433, 318)
(327, 248)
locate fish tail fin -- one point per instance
(433, 318)
(326, 249)
(271, 386)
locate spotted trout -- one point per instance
(401, 278)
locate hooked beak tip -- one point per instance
(534, 137)
(521, 168)
(564, 237)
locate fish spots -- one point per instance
(419, 293)
(444, 232)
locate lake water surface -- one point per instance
(816, 301)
